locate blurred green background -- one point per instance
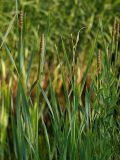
(60, 18)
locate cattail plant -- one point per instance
(21, 57)
(40, 67)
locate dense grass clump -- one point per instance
(60, 94)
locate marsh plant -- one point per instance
(80, 120)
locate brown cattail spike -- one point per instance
(42, 44)
(98, 63)
(21, 20)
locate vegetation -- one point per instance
(59, 80)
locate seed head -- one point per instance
(42, 44)
(21, 20)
